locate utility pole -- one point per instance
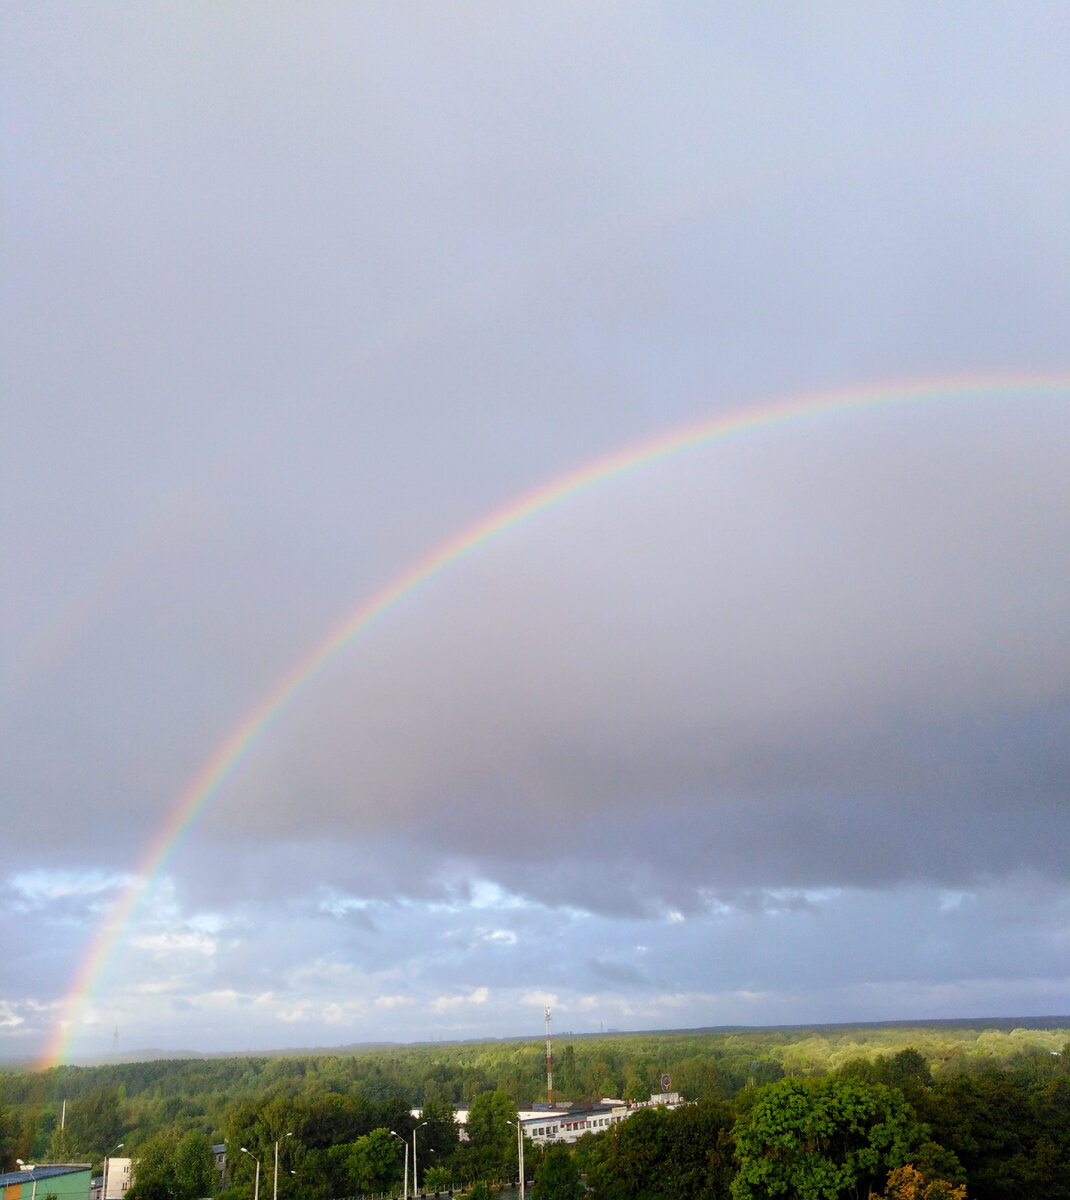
(275, 1176)
(405, 1185)
(256, 1184)
(520, 1152)
(415, 1192)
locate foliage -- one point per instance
(438, 1137)
(557, 1177)
(61, 1147)
(661, 1154)
(172, 1166)
(438, 1179)
(480, 1191)
(7, 1138)
(95, 1123)
(370, 1164)
(996, 1099)
(908, 1183)
(1009, 1129)
(822, 1139)
(492, 1147)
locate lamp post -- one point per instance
(104, 1177)
(405, 1185)
(275, 1175)
(415, 1177)
(519, 1151)
(256, 1185)
(30, 1169)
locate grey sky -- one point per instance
(773, 731)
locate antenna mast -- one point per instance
(549, 1066)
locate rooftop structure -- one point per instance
(569, 1122)
(65, 1181)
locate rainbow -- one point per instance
(210, 781)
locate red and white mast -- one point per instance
(549, 1066)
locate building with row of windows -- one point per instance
(569, 1123)
(115, 1180)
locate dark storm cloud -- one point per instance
(742, 687)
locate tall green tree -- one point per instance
(61, 1147)
(823, 1139)
(7, 1138)
(333, 1119)
(372, 1163)
(95, 1122)
(557, 1177)
(436, 1135)
(195, 1169)
(492, 1146)
(662, 1154)
(174, 1166)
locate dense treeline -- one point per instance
(925, 1113)
(883, 1128)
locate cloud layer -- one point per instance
(775, 730)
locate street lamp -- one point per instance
(405, 1185)
(275, 1176)
(104, 1174)
(256, 1185)
(519, 1150)
(415, 1184)
(31, 1168)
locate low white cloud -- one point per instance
(504, 937)
(230, 998)
(187, 942)
(444, 1004)
(43, 886)
(541, 999)
(211, 923)
(294, 1013)
(342, 1012)
(392, 1001)
(9, 1018)
(43, 1006)
(485, 893)
(153, 987)
(338, 905)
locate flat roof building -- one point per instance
(65, 1181)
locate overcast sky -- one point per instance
(774, 731)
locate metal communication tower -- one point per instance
(549, 1066)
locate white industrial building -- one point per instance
(568, 1125)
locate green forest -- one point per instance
(901, 1112)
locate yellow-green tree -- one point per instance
(908, 1183)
